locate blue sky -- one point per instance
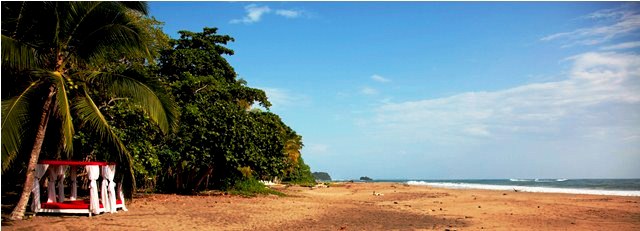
(435, 90)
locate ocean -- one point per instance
(617, 187)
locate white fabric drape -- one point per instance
(60, 171)
(51, 186)
(104, 187)
(93, 172)
(74, 183)
(121, 196)
(112, 187)
(40, 170)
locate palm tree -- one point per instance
(57, 53)
(292, 147)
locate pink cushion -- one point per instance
(78, 204)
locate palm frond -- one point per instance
(110, 38)
(89, 115)
(74, 16)
(15, 117)
(96, 29)
(63, 111)
(17, 55)
(140, 7)
(145, 93)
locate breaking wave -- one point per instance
(526, 188)
(538, 180)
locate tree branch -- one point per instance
(205, 86)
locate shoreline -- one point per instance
(531, 189)
(355, 206)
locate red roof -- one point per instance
(73, 162)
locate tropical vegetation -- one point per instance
(101, 81)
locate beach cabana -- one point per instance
(57, 202)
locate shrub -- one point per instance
(251, 187)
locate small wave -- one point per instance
(520, 180)
(550, 180)
(525, 188)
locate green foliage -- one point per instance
(321, 176)
(246, 172)
(219, 138)
(86, 54)
(116, 76)
(200, 54)
(251, 187)
(301, 174)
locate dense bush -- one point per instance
(220, 140)
(251, 187)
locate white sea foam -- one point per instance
(526, 188)
(520, 180)
(538, 180)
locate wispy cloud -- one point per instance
(256, 12)
(622, 46)
(595, 82)
(289, 13)
(616, 22)
(368, 91)
(380, 79)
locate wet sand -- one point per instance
(353, 206)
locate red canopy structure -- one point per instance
(57, 203)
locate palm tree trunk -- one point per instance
(18, 211)
(202, 177)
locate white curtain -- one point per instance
(74, 183)
(51, 187)
(121, 196)
(40, 170)
(112, 187)
(104, 188)
(93, 172)
(60, 171)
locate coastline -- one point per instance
(532, 189)
(353, 206)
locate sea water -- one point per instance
(616, 187)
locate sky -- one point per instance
(442, 90)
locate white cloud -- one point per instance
(380, 79)
(596, 80)
(368, 91)
(625, 21)
(255, 14)
(622, 46)
(289, 13)
(477, 130)
(611, 13)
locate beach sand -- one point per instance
(353, 206)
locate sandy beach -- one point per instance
(353, 206)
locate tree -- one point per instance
(300, 173)
(292, 148)
(220, 138)
(321, 176)
(59, 54)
